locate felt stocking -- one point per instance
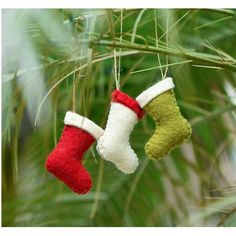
(114, 145)
(172, 129)
(65, 160)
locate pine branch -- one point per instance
(206, 59)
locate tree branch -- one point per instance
(206, 59)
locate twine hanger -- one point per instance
(163, 73)
(116, 67)
(75, 79)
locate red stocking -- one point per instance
(65, 160)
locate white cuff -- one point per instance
(162, 86)
(83, 123)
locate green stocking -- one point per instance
(171, 127)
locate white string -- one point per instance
(163, 74)
(157, 44)
(121, 32)
(115, 71)
(76, 60)
(83, 37)
(117, 68)
(167, 41)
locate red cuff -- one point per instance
(126, 100)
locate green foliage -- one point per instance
(59, 60)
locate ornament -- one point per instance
(171, 127)
(65, 161)
(114, 145)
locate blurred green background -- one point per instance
(56, 60)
